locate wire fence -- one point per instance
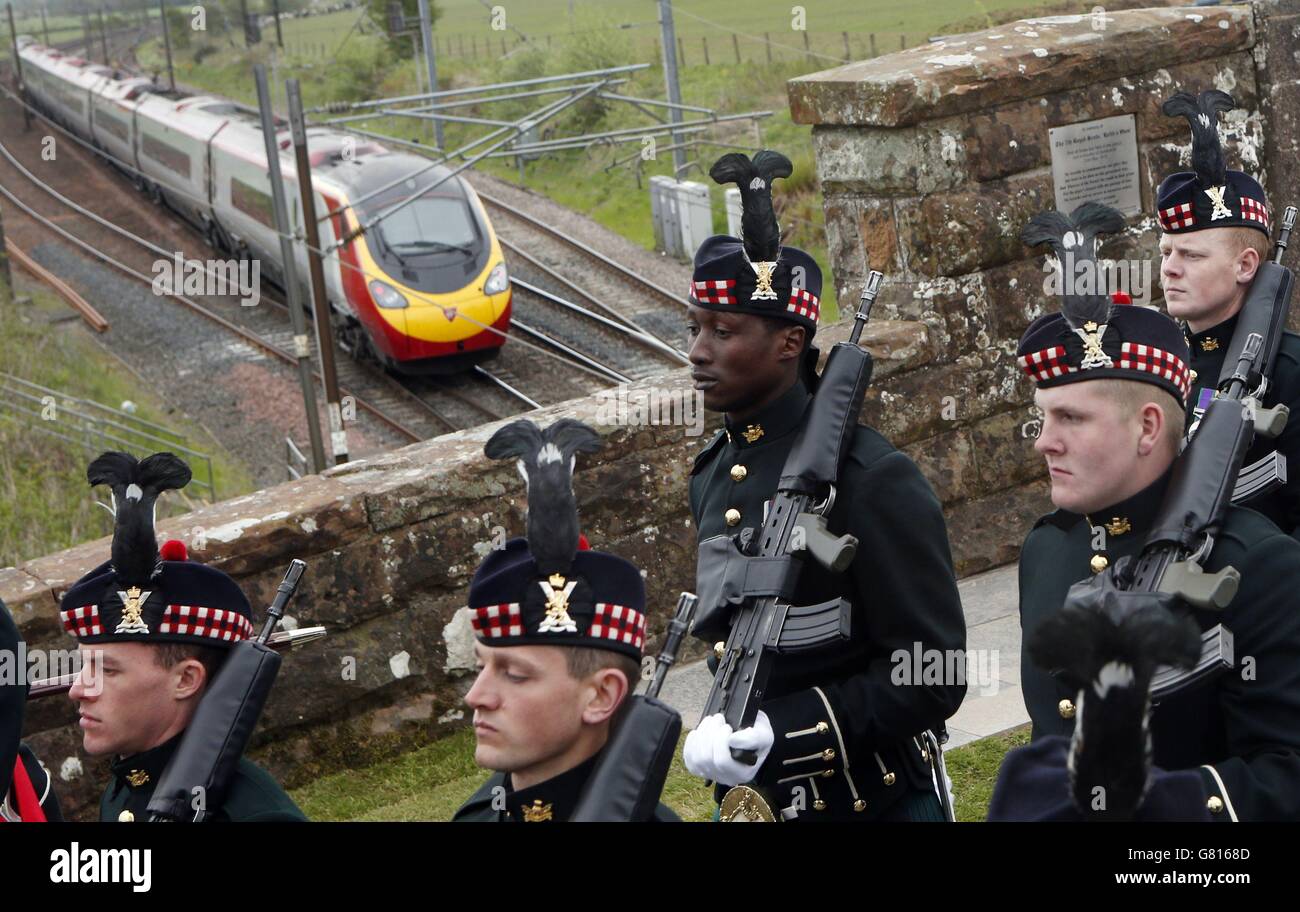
(827, 48)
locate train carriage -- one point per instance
(423, 288)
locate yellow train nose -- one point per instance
(450, 318)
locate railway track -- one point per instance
(580, 270)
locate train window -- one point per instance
(431, 218)
(166, 155)
(252, 202)
(113, 125)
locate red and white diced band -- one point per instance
(1150, 360)
(714, 291)
(1050, 362)
(1045, 364)
(803, 303)
(1253, 210)
(1180, 216)
(498, 621)
(616, 622)
(81, 622)
(197, 620)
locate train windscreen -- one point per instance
(433, 243)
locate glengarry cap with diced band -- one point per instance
(1092, 337)
(1210, 195)
(550, 589)
(144, 593)
(754, 273)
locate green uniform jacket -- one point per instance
(1209, 348)
(846, 717)
(552, 801)
(1242, 729)
(253, 795)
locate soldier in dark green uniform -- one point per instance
(560, 629)
(154, 628)
(837, 734)
(1216, 225)
(26, 788)
(1112, 381)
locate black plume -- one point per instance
(1073, 239)
(1202, 112)
(758, 226)
(545, 460)
(136, 486)
(1107, 643)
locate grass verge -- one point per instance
(45, 503)
(432, 782)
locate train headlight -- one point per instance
(386, 295)
(498, 280)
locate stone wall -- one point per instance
(931, 160)
(391, 544)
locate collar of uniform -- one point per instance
(141, 771)
(552, 800)
(778, 418)
(1214, 339)
(1135, 515)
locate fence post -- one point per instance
(767, 43)
(681, 53)
(735, 43)
(704, 39)
(807, 51)
(848, 55)
(874, 52)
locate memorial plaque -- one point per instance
(1097, 161)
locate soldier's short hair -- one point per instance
(1131, 395)
(585, 661)
(776, 324)
(1241, 238)
(166, 655)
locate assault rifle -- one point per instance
(747, 585)
(194, 783)
(633, 767)
(1207, 476)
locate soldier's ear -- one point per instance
(793, 338)
(609, 687)
(190, 676)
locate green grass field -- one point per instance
(45, 503)
(432, 782)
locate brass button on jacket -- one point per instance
(1066, 709)
(738, 473)
(732, 516)
(1099, 563)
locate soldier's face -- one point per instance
(1092, 445)
(528, 712)
(128, 703)
(1203, 276)
(738, 361)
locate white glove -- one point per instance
(707, 752)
